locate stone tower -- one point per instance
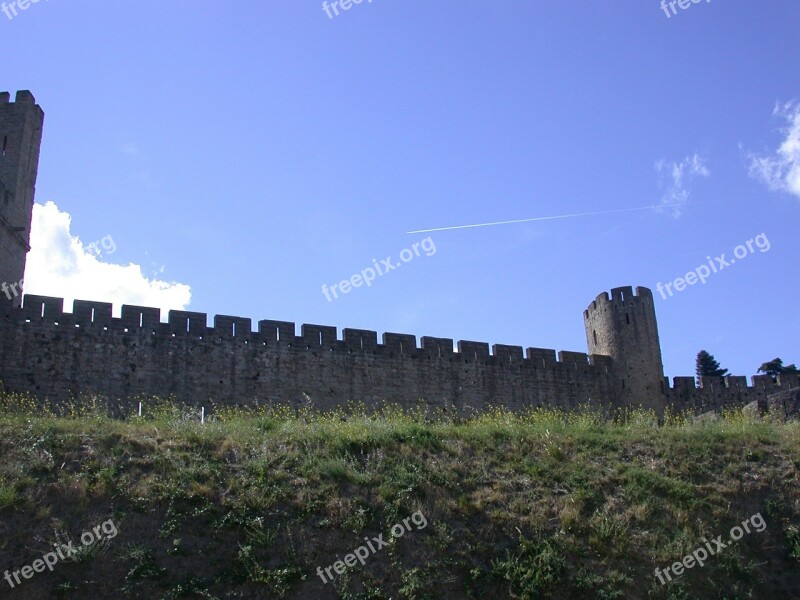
(624, 328)
(20, 137)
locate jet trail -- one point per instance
(587, 214)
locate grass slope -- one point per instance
(541, 505)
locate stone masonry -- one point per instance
(20, 137)
(56, 355)
(59, 355)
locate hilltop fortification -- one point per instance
(58, 355)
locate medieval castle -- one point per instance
(57, 355)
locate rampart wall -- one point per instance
(718, 393)
(58, 355)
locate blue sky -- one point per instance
(243, 154)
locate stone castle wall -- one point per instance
(21, 124)
(59, 355)
(718, 393)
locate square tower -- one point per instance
(20, 138)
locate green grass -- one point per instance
(537, 505)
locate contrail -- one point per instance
(587, 214)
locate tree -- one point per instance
(775, 367)
(707, 366)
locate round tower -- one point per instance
(624, 327)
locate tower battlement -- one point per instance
(623, 326)
(620, 295)
(21, 124)
(22, 97)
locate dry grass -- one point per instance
(537, 505)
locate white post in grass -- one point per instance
(140, 409)
(202, 414)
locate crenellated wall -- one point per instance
(717, 393)
(59, 355)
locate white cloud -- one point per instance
(674, 178)
(781, 169)
(60, 265)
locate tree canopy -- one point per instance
(707, 366)
(775, 367)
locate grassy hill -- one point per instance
(250, 503)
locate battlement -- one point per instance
(23, 99)
(734, 383)
(55, 354)
(719, 393)
(620, 295)
(49, 312)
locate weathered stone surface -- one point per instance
(784, 405)
(623, 326)
(56, 354)
(20, 138)
(709, 417)
(752, 409)
(59, 355)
